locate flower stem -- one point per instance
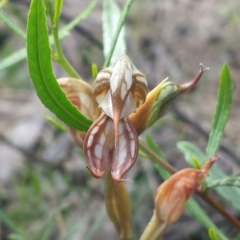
(204, 195)
(154, 230)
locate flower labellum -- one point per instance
(112, 139)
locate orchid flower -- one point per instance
(121, 108)
(112, 141)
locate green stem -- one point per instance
(119, 27)
(154, 230)
(204, 195)
(59, 55)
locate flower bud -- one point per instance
(159, 100)
(81, 95)
(174, 192)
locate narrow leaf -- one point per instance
(94, 71)
(40, 69)
(213, 234)
(5, 18)
(197, 212)
(232, 195)
(110, 18)
(153, 145)
(222, 111)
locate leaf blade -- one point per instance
(196, 211)
(40, 70)
(222, 111)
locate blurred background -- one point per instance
(45, 189)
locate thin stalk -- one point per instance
(59, 55)
(154, 230)
(119, 27)
(205, 196)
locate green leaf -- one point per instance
(22, 53)
(228, 181)
(213, 234)
(196, 163)
(40, 69)
(5, 18)
(197, 212)
(110, 18)
(94, 71)
(222, 111)
(232, 195)
(153, 145)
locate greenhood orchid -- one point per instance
(121, 109)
